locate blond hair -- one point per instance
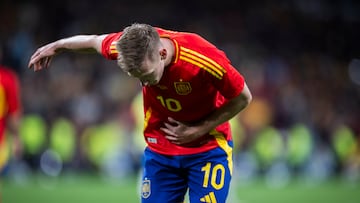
(137, 42)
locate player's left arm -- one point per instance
(181, 133)
(228, 110)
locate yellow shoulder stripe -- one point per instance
(202, 61)
(184, 58)
(204, 58)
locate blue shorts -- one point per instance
(207, 176)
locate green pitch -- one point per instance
(93, 189)
(69, 189)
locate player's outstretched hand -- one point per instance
(42, 57)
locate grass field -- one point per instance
(93, 189)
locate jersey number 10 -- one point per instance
(169, 103)
(218, 169)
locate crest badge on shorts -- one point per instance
(182, 88)
(146, 188)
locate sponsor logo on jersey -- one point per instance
(182, 88)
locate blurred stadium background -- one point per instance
(299, 140)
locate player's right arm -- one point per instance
(84, 43)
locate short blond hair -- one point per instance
(137, 42)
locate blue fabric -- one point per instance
(167, 178)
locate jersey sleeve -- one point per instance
(232, 82)
(108, 46)
(214, 63)
(229, 82)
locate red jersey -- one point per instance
(198, 81)
(9, 97)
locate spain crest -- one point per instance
(145, 189)
(182, 88)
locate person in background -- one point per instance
(10, 114)
(190, 91)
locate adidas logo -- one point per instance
(210, 198)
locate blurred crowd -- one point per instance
(300, 58)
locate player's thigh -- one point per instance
(209, 180)
(162, 182)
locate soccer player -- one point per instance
(10, 113)
(190, 91)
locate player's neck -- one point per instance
(170, 49)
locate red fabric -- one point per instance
(199, 80)
(9, 97)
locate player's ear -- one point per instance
(163, 53)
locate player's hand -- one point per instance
(180, 133)
(42, 57)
